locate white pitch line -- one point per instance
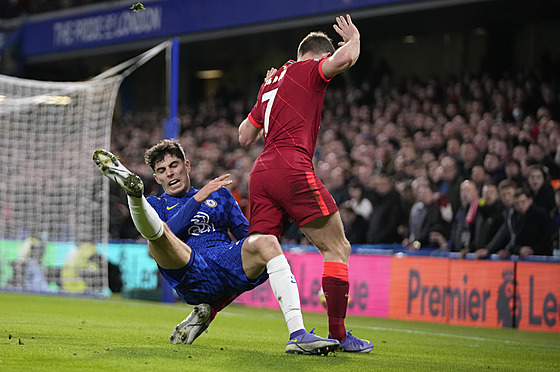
(449, 335)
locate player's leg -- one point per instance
(173, 257)
(327, 234)
(170, 253)
(145, 218)
(261, 252)
(168, 250)
(304, 197)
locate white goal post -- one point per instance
(54, 216)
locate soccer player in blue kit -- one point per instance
(188, 233)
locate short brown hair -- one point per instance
(157, 152)
(504, 184)
(523, 191)
(317, 43)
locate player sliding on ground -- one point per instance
(283, 185)
(188, 237)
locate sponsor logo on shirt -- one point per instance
(201, 224)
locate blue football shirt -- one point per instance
(202, 225)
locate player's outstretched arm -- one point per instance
(349, 48)
(248, 133)
(211, 187)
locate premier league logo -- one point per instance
(509, 302)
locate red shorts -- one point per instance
(277, 196)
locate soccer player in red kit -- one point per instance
(283, 184)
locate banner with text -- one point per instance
(165, 19)
(369, 284)
(461, 292)
(482, 293)
(538, 288)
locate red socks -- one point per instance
(336, 287)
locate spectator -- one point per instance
(530, 232)
(450, 183)
(534, 236)
(537, 155)
(491, 216)
(387, 215)
(408, 200)
(453, 148)
(360, 204)
(550, 101)
(494, 168)
(469, 158)
(479, 177)
(435, 172)
(355, 226)
(499, 146)
(426, 215)
(519, 153)
(513, 172)
(555, 216)
(480, 142)
(500, 109)
(543, 193)
(505, 234)
(461, 238)
(337, 185)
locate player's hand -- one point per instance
(269, 73)
(211, 187)
(346, 29)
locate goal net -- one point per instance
(54, 203)
(53, 225)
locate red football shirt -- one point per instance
(289, 107)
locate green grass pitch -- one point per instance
(49, 333)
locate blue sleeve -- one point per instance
(238, 223)
(183, 217)
(241, 231)
(158, 206)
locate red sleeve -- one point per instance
(321, 71)
(256, 113)
(254, 122)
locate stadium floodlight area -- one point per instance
(54, 203)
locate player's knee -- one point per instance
(268, 246)
(338, 250)
(346, 247)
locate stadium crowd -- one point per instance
(413, 163)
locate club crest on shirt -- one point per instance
(211, 203)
